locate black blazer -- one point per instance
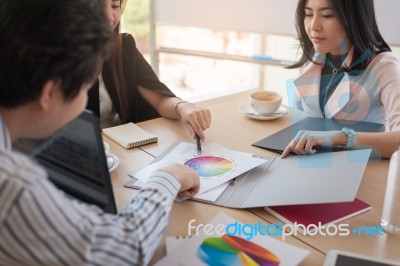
(137, 72)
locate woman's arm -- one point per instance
(305, 142)
(385, 142)
(196, 119)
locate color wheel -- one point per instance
(210, 166)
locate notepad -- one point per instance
(313, 214)
(129, 135)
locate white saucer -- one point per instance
(248, 111)
(112, 161)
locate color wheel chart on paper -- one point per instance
(210, 166)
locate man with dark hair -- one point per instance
(50, 53)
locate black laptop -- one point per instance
(278, 141)
(75, 161)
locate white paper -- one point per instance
(186, 252)
(172, 242)
(213, 194)
(215, 166)
(144, 174)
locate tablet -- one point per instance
(345, 258)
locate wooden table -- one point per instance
(235, 131)
(129, 160)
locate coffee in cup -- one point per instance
(265, 102)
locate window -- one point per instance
(195, 77)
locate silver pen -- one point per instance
(198, 144)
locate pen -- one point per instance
(198, 144)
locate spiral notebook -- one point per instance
(129, 135)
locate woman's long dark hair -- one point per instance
(115, 65)
(358, 19)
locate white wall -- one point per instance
(267, 16)
(388, 18)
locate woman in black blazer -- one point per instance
(129, 91)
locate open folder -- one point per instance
(278, 141)
(304, 179)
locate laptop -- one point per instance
(278, 141)
(75, 161)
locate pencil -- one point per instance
(198, 144)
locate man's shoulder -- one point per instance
(17, 174)
(17, 167)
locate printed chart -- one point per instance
(233, 250)
(216, 166)
(209, 248)
(210, 166)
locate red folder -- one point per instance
(326, 213)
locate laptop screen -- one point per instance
(75, 161)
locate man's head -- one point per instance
(43, 40)
(50, 44)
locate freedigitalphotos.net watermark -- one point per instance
(281, 230)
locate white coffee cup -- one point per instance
(106, 147)
(265, 102)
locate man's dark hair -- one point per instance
(358, 19)
(41, 40)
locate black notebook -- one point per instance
(278, 141)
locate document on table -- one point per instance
(230, 246)
(215, 166)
